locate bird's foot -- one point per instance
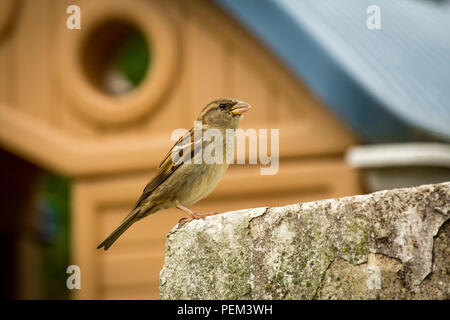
(195, 216)
(185, 220)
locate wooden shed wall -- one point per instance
(51, 115)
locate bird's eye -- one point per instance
(222, 106)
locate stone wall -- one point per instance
(386, 245)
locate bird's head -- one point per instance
(223, 113)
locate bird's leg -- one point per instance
(192, 214)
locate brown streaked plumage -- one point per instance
(180, 184)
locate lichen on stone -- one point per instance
(377, 246)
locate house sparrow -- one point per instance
(184, 181)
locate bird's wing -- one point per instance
(184, 149)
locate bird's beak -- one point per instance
(240, 108)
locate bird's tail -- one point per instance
(126, 223)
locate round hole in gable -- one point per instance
(116, 57)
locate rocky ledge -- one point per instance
(386, 245)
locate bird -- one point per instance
(180, 179)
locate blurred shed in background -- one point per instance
(98, 105)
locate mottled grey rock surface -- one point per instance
(386, 245)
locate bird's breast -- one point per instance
(203, 183)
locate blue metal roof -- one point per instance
(388, 84)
